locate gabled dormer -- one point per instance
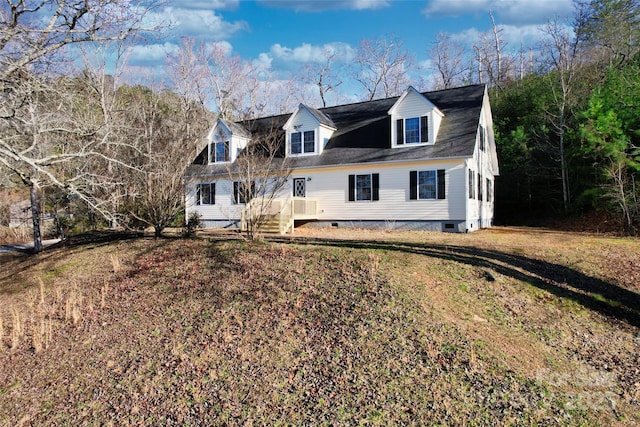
(307, 131)
(415, 120)
(226, 139)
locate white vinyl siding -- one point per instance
(302, 138)
(333, 199)
(224, 208)
(394, 194)
(415, 106)
(480, 172)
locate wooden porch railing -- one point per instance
(261, 211)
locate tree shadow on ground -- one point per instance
(595, 294)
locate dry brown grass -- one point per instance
(14, 235)
(344, 327)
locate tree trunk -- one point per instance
(563, 172)
(35, 215)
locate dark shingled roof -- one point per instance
(363, 132)
(321, 117)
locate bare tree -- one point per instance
(562, 54)
(235, 89)
(381, 67)
(259, 176)
(165, 138)
(41, 121)
(323, 75)
(493, 66)
(448, 59)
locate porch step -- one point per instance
(271, 225)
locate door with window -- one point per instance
(299, 187)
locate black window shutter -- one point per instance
(235, 192)
(413, 185)
(375, 184)
(441, 184)
(213, 193)
(352, 188)
(424, 129)
(399, 132)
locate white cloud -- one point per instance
(322, 5)
(151, 53)
(505, 11)
(514, 36)
(309, 53)
(209, 4)
(263, 63)
(200, 22)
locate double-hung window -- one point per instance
(220, 152)
(364, 187)
(303, 142)
(206, 194)
(427, 184)
(243, 192)
(412, 130)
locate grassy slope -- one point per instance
(495, 327)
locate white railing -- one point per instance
(260, 211)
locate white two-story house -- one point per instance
(418, 161)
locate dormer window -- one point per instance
(303, 142)
(413, 130)
(219, 152)
(415, 120)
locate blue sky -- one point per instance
(283, 35)
(277, 27)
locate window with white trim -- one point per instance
(242, 192)
(206, 193)
(427, 185)
(412, 130)
(364, 187)
(219, 152)
(303, 142)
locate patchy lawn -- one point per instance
(332, 327)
